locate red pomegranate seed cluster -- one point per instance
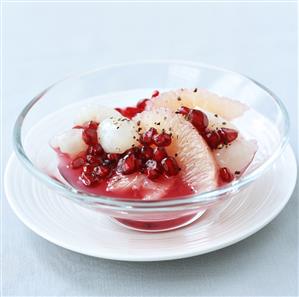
(147, 137)
(214, 138)
(150, 158)
(95, 164)
(89, 133)
(218, 138)
(131, 111)
(152, 137)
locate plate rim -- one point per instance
(174, 256)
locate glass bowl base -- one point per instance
(159, 226)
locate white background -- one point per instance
(44, 42)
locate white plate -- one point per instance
(85, 231)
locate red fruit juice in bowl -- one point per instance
(154, 222)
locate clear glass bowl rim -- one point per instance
(118, 202)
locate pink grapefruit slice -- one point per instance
(201, 99)
(138, 185)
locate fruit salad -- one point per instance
(173, 144)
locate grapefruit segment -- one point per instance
(203, 99)
(237, 156)
(139, 185)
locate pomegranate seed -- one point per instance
(159, 154)
(213, 139)
(102, 170)
(95, 150)
(183, 110)
(131, 111)
(127, 164)
(128, 112)
(113, 157)
(88, 179)
(146, 152)
(228, 135)
(91, 159)
(162, 139)
(222, 136)
(91, 125)
(147, 137)
(198, 119)
(142, 104)
(226, 175)
(85, 179)
(135, 151)
(152, 169)
(155, 94)
(77, 162)
(88, 169)
(120, 110)
(170, 166)
(140, 165)
(90, 136)
(78, 127)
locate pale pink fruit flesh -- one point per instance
(237, 156)
(203, 99)
(141, 185)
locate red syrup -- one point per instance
(71, 175)
(169, 222)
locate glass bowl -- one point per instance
(53, 111)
